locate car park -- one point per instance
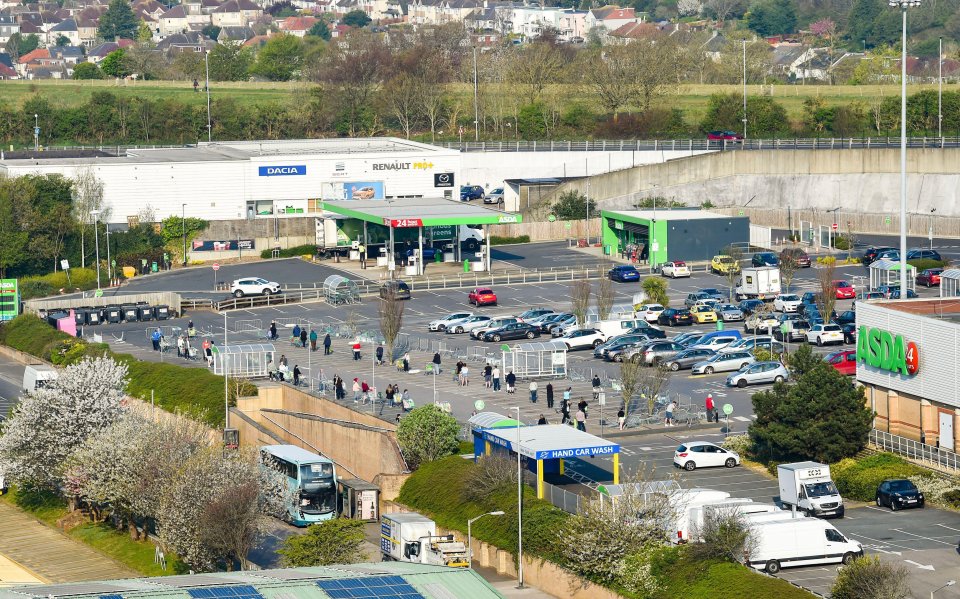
(686, 358)
(899, 493)
(724, 363)
(844, 362)
(761, 373)
(703, 314)
(582, 339)
(650, 312)
(749, 306)
(675, 317)
(922, 254)
(722, 264)
(703, 454)
(482, 296)
(465, 326)
(253, 286)
(471, 192)
(799, 257)
(494, 197)
(786, 302)
(441, 324)
(822, 334)
(844, 290)
(675, 269)
(624, 273)
(517, 330)
(493, 323)
(394, 290)
(760, 322)
(765, 259)
(930, 277)
(729, 313)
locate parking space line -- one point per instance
(934, 539)
(948, 527)
(884, 543)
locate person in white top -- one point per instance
(495, 375)
(670, 408)
(533, 391)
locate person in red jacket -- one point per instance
(711, 409)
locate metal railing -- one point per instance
(563, 499)
(915, 450)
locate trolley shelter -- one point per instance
(244, 361)
(545, 447)
(886, 272)
(339, 290)
(950, 283)
(544, 359)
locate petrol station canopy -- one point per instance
(420, 212)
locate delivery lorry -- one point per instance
(807, 486)
(36, 376)
(799, 542)
(762, 283)
(411, 537)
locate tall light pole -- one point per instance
(183, 227)
(96, 235)
(226, 377)
(940, 93)
(744, 90)
(949, 583)
(109, 265)
(903, 5)
(206, 63)
(519, 507)
(470, 536)
(476, 103)
(36, 132)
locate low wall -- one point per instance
(160, 298)
(548, 231)
(917, 224)
(259, 244)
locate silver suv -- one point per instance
(655, 352)
(253, 286)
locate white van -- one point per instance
(799, 542)
(36, 376)
(777, 516)
(614, 327)
(686, 510)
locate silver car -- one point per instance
(758, 374)
(730, 313)
(656, 352)
(724, 363)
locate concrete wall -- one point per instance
(159, 298)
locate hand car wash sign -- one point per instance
(881, 349)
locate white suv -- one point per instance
(253, 286)
(786, 302)
(822, 334)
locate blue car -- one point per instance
(624, 274)
(765, 259)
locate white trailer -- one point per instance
(36, 376)
(686, 511)
(410, 537)
(808, 487)
(762, 282)
(799, 542)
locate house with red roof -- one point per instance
(611, 18)
(298, 26)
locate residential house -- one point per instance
(148, 9)
(190, 41)
(8, 73)
(235, 34)
(235, 13)
(34, 56)
(799, 62)
(256, 41)
(173, 21)
(97, 54)
(192, 6)
(297, 26)
(8, 26)
(208, 6)
(70, 55)
(631, 31)
(339, 31)
(610, 18)
(66, 28)
(714, 47)
(481, 19)
(87, 30)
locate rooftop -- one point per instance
(415, 212)
(550, 441)
(667, 214)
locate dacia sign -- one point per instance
(881, 349)
(282, 171)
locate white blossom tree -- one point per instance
(50, 423)
(87, 193)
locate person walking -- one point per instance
(565, 411)
(542, 419)
(362, 250)
(533, 391)
(338, 391)
(581, 421)
(436, 363)
(709, 405)
(303, 337)
(326, 345)
(567, 394)
(273, 331)
(379, 355)
(456, 375)
(596, 386)
(488, 375)
(511, 381)
(356, 350)
(406, 362)
(356, 390)
(582, 406)
(388, 394)
(313, 340)
(550, 395)
(364, 392)
(180, 347)
(155, 338)
(621, 418)
(465, 375)
(495, 378)
(670, 408)
(296, 375)
(296, 332)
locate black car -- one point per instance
(847, 317)
(849, 333)
(675, 317)
(749, 306)
(870, 254)
(395, 290)
(808, 299)
(517, 330)
(898, 493)
(765, 259)
(471, 192)
(645, 329)
(918, 254)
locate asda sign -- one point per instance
(886, 351)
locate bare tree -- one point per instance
(87, 197)
(827, 299)
(851, 238)
(611, 73)
(492, 474)
(870, 577)
(605, 296)
(733, 273)
(789, 265)
(630, 373)
(232, 522)
(650, 383)
(580, 299)
(722, 8)
(534, 66)
(391, 319)
(401, 95)
(655, 60)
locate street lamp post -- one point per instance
(903, 5)
(519, 507)
(949, 583)
(96, 235)
(744, 90)
(183, 228)
(109, 264)
(206, 62)
(36, 133)
(470, 536)
(940, 93)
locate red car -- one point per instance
(844, 361)
(930, 277)
(724, 136)
(482, 296)
(844, 290)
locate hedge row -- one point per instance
(195, 392)
(299, 250)
(503, 240)
(925, 263)
(50, 284)
(859, 479)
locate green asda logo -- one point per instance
(881, 349)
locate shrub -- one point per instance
(740, 444)
(859, 479)
(504, 240)
(299, 250)
(841, 242)
(337, 541)
(951, 498)
(868, 577)
(656, 290)
(924, 264)
(49, 284)
(426, 434)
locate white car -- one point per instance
(675, 269)
(456, 318)
(253, 286)
(822, 334)
(494, 197)
(703, 454)
(650, 312)
(760, 322)
(786, 302)
(582, 339)
(465, 326)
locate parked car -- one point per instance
(695, 298)
(623, 273)
(471, 192)
(849, 332)
(441, 324)
(253, 286)
(548, 321)
(846, 317)
(493, 323)
(650, 312)
(759, 374)
(796, 330)
(930, 277)
(786, 302)
(687, 358)
(911, 294)
(724, 363)
(822, 334)
(714, 293)
(891, 255)
(562, 326)
(751, 343)
(870, 295)
(703, 314)
(482, 296)
(624, 352)
(729, 313)
(844, 290)
(797, 255)
(716, 341)
(703, 454)
(808, 299)
(765, 259)
(870, 254)
(675, 317)
(749, 306)
(921, 254)
(760, 322)
(722, 264)
(465, 326)
(617, 343)
(899, 493)
(517, 330)
(845, 362)
(494, 197)
(582, 339)
(645, 328)
(658, 352)
(675, 269)
(724, 136)
(395, 290)
(533, 313)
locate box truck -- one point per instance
(36, 376)
(762, 282)
(799, 542)
(808, 487)
(410, 537)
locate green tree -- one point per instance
(656, 290)
(114, 64)
(13, 241)
(62, 40)
(573, 205)
(118, 22)
(356, 18)
(29, 44)
(144, 34)
(822, 416)
(230, 61)
(772, 17)
(337, 541)
(211, 31)
(87, 70)
(427, 433)
(860, 21)
(765, 117)
(280, 58)
(19, 45)
(321, 30)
